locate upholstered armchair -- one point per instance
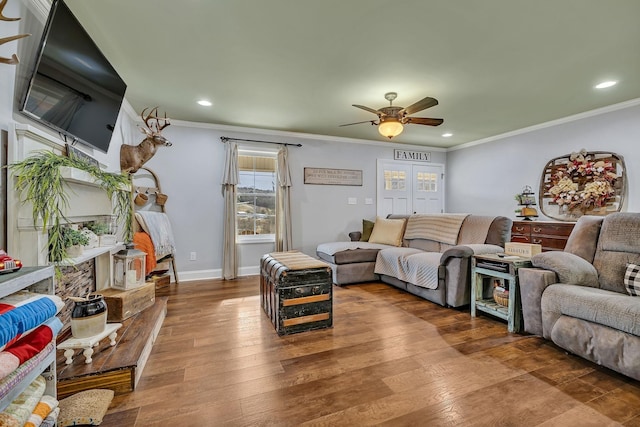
(578, 298)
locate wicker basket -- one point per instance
(501, 297)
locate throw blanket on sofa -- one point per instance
(442, 228)
(475, 229)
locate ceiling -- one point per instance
(495, 66)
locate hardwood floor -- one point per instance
(390, 359)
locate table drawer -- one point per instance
(517, 238)
(520, 228)
(552, 229)
(550, 243)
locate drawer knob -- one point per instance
(537, 241)
(299, 290)
(519, 228)
(537, 229)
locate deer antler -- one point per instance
(2, 17)
(14, 58)
(154, 128)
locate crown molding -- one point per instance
(568, 119)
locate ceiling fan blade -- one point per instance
(423, 104)
(371, 110)
(423, 121)
(373, 122)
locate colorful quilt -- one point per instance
(19, 411)
(22, 312)
(28, 346)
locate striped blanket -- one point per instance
(23, 311)
(442, 228)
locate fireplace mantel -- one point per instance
(87, 201)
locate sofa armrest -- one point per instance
(466, 251)
(533, 282)
(460, 251)
(570, 269)
(355, 236)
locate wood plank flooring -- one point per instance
(391, 359)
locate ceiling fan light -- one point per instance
(390, 128)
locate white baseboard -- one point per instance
(189, 276)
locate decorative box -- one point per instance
(162, 281)
(123, 304)
(525, 250)
(296, 292)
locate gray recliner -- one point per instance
(577, 298)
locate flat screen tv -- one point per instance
(73, 89)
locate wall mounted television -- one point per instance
(73, 88)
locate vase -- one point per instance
(74, 251)
(89, 316)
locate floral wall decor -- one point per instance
(582, 183)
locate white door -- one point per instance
(405, 188)
(427, 189)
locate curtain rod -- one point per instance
(225, 139)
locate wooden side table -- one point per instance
(492, 266)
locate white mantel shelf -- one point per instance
(89, 254)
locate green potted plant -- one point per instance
(73, 241)
(40, 182)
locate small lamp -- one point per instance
(128, 268)
(390, 127)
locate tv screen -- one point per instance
(73, 88)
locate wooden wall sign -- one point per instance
(413, 156)
(325, 176)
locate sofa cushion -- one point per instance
(617, 246)
(632, 280)
(388, 231)
(583, 239)
(421, 269)
(570, 268)
(348, 252)
(367, 228)
(612, 309)
(390, 261)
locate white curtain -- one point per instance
(229, 183)
(283, 210)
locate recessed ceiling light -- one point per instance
(205, 103)
(606, 84)
(447, 135)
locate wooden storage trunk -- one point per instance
(296, 292)
(123, 304)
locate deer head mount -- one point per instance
(132, 157)
(14, 58)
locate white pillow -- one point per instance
(388, 231)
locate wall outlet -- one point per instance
(368, 201)
(193, 256)
(352, 201)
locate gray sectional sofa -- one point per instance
(578, 299)
(433, 261)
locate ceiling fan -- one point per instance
(392, 118)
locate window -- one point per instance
(395, 180)
(256, 196)
(427, 182)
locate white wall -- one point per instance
(190, 173)
(485, 178)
